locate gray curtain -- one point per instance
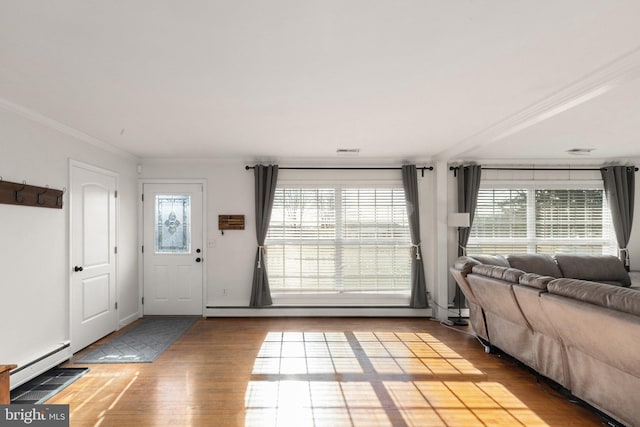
(266, 178)
(468, 188)
(619, 186)
(418, 286)
(468, 180)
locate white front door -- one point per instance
(173, 254)
(93, 257)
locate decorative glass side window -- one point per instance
(173, 226)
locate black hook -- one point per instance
(39, 199)
(59, 197)
(17, 193)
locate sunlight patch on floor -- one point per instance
(384, 378)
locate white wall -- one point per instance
(34, 255)
(231, 191)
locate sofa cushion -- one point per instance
(498, 260)
(535, 280)
(503, 273)
(541, 264)
(595, 268)
(615, 298)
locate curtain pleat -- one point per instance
(619, 187)
(418, 284)
(468, 180)
(266, 178)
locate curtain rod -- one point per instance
(422, 169)
(455, 169)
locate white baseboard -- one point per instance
(129, 319)
(42, 364)
(316, 312)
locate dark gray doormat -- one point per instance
(141, 343)
(43, 387)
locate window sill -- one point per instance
(337, 300)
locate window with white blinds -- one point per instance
(339, 240)
(541, 220)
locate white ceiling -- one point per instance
(298, 79)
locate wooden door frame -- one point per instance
(76, 163)
(205, 255)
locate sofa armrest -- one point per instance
(511, 275)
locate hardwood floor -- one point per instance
(319, 372)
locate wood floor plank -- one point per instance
(318, 371)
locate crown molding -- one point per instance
(61, 127)
(295, 161)
(603, 80)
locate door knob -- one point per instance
(77, 268)
(198, 259)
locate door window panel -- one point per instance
(173, 225)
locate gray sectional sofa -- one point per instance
(573, 318)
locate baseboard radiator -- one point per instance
(27, 371)
(316, 311)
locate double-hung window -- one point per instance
(339, 239)
(542, 218)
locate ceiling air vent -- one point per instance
(348, 151)
(580, 151)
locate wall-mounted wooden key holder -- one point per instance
(13, 193)
(230, 222)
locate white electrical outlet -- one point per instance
(211, 243)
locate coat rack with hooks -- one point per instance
(14, 193)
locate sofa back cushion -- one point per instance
(534, 280)
(541, 264)
(498, 260)
(613, 297)
(507, 274)
(596, 268)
